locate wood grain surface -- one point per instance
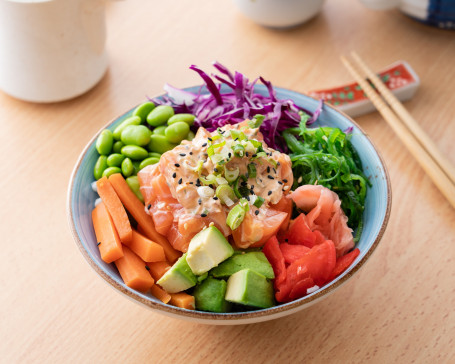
(398, 309)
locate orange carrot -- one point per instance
(115, 208)
(182, 300)
(148, 250)
(133, 271)
(108, 240)
(137, 209)
(158, 269)
(161, 294)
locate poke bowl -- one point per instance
(82, 198)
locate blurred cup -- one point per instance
(51, 50)
(279, 13)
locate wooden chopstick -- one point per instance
(407, 119)
(433, 169)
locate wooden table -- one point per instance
(398, 308)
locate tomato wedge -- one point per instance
(299, 233)
(275, 257)
(291, 253)
(344, 263)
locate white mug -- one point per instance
(279, 13)
(51, 50)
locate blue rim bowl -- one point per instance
(81, 198)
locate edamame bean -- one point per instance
(136, 135)
(190, 136)
(104, 142)
(159, 144)
(133, 183)
(176, 132)
(127, 167)
(159, 130)
(187, 118)
(147, 161)
(143, 110)
(156, 155)
(134, 152)
(111, 170)
(115, 160)
(159, 115)
(136, 165)
(100, 166)
(117, 148)
(132, 120)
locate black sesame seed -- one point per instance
(215, 169)
(182, 154)
(177, 165)
(252, 187)
(199, 201)
(270, 177)
(147, 267)
(256, 212)
(180, 181)
(203, 214)
(278, 164)
(243, 183)
(191, 183)
(285, 181)
(229, 154)
(204, 145)
(174, 175)
(274, 170)
(246, 154)
(191, 153)
(215, 198)
(98, 243)
(269, 193)
(248, 198)
(254, 155)
(268, 169)
(148, 206)
(280, 182)
(210, 139)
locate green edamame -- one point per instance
(111, 170)
(132, 120)
(117, 147)
(147, 161)
(136, 135)
(190, 136)
(154, 154)
(159, 144)
(115, 160)
(187, 118)
(134, 152)
(143, 110)
(176, 132)
(100, 166)
(160, 115)
(104, 142)
(136, 165)
(159, 130)
(133, 183)
(127, 167)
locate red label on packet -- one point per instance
(399, 78)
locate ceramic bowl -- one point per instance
(81, 199)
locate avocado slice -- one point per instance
(209, 296)
(179, 277)
(207, 249)
(255, 261)
(249, 288)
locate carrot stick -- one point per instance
(108, 240)
(147, 250)
(158, 269)
(182, 300)
(115, 208)
(161, 294)
(133, 271)
(137, 209)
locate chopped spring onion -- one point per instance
(198, 167)
(225, 194)
(231, 174)
(240, 187)
(239, 150)
(258, 202)
(256, 121)
(205, 191)
(236, 134)
(211, 179)
(235, 216)
(251, 170)
(221, 181)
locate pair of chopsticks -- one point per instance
(436, 165)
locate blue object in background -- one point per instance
(438, 13)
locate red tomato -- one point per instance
(273, 254)
(292, 253)
(299, 233)
(343, 263)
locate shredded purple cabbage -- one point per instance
(216, 109)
